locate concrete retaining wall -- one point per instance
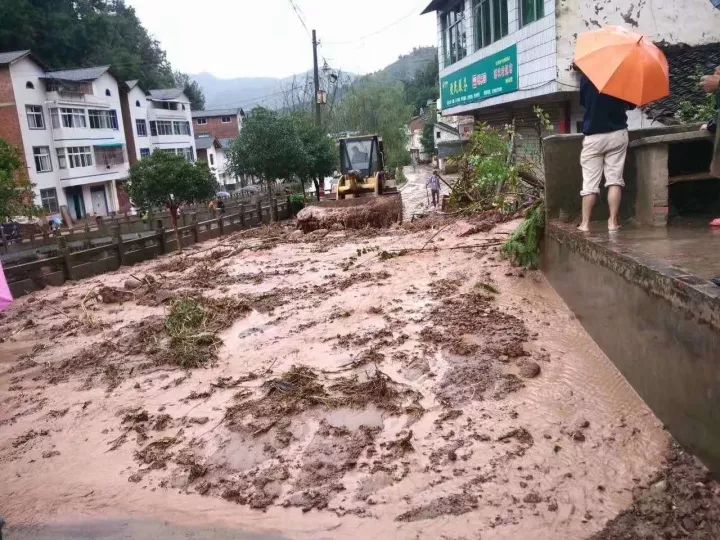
(660, 328)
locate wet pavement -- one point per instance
(416, 196)
(687, 245)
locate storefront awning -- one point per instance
(109, 146)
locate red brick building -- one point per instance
(220, 123)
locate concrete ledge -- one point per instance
(660, 327)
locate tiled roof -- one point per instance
(12, 56)
(215, 112)
(203, 142)
(165, 94)
(82, 74)
(687, 64)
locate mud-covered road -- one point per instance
(405, 383)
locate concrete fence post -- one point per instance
(274, 210)
(259, 212)
(160, 228)
(4, 239)
(241, 208)
(194, 227)
(117, 235)
(65, 254)
(221, 225)
(184, 219)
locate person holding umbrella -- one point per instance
(620, 71)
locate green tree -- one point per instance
(268, 148)
(77, 33)
(428, 138)
(16, 195)
(377, 106)
(165, 179)
(423, 88)
(318, 157)
(192, 90)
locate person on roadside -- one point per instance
(434, 184)
(220, 205)
(604, 150)
(710, 84)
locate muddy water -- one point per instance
(555, 486)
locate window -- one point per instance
(109, 157)
(107, 92)
(438, 134)
(71, 118)
(137, 102)
(153, 128)
(187, 153)
(62, 160)
(168, 105)
(43, 163)
(531, 11)
(162, 127)
(491, 21)
(35, 117)
(181, 128)
(79, 156)
(183, 107)
(454, 37)
(48, 199)
(141, 127)
(144, 152)
(201, 121)
(29, 85)
(103, 119)
(212, 159)
(225, 119)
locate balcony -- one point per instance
(77, 98)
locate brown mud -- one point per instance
(389, 381)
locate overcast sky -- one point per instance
(264, 38)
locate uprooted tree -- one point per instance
(169, 180)
(492, 177)
(16, 195)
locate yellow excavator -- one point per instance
(362, 167)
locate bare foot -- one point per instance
(583, 228)
(613, 227)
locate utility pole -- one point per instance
(316, 77)
(319, 182)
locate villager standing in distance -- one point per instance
(604, 150)
(434, 184)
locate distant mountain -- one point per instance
(274, 93)
(406, 67)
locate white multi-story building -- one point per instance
(500, 58)
(157, 120)
(67, 125)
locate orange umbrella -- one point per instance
(624, 65)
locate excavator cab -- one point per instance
(362, 166)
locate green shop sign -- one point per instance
(486, 78)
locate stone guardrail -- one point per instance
(67, 265)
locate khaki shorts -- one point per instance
(604, 152)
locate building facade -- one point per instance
(224, 126)
(158, 119)
(499, 59)
(67, 126)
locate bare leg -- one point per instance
(614, 198)
(588, 201)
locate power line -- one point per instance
(379, 30)
(300, 17)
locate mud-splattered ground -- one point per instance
(333, 385)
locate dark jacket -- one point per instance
(603, 113)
